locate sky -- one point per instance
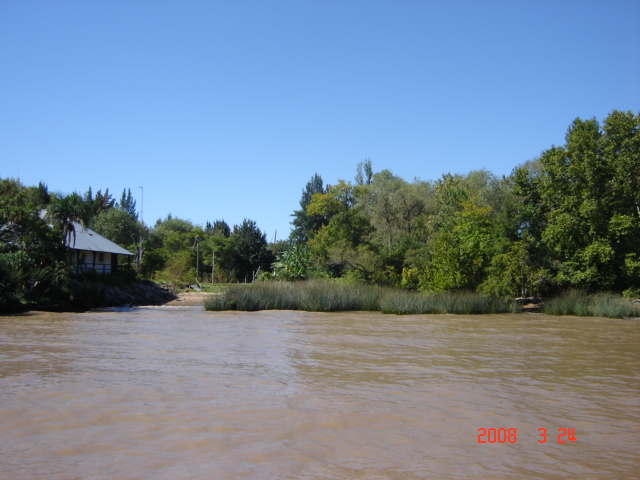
(226, 109)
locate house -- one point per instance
(91, 252)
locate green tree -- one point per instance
(343, 241)
(460, 252)
(514, 273)
(364, 172)
(66, 210)
(305, 224)
(219, 228)
(118, 226)
(382, 200)
(127, 203)
(251, 252)
(293, 264)
(31, 254)
(224, 250)
(589, 222)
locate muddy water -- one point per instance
(157, 393)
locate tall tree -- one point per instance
(364, 172)
(382, 201)
(343, 240)
(118, 226)
(128, 203)
(251, 251)
(219, 228)
(103, 202)
(304, 224)
(66, 210)
(587, 220)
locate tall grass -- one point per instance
(317, 296)
(574, 302)
(328, 296)
(467, 303)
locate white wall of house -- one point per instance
(83, 261)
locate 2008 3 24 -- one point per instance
(509, 435)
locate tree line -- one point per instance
(35, 224)
(568, 219)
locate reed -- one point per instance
(575, 302)
(316, 296)
(330, 296)
(467, 303)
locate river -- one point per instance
(180, 393)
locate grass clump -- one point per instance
(466, 303)
(329, 296)
(574, 302)
(316, 296)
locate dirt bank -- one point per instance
(189, 299)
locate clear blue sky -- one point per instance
(225, 109)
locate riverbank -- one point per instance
(328, 296)
(189, 299)
(94, 291)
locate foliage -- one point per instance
(569, 219)
(364, 172)
(127, 203)
(219, 228)
(31, 255)
(251, 252)
(118, 226)
(305, 224)
(179, 267)
(342, 241)
(513, 273)
(460, 252)
(293, 264)
(64, 212)
(583, 204)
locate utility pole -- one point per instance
(141, 226)
(142, 205)
(197, 242)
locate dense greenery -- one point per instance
(35, 223)
(569, 219)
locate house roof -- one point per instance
(87, 239)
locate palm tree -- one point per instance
(63, 212)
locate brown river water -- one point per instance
(180, 393)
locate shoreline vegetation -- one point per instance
(329, 296)
(563, 226)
